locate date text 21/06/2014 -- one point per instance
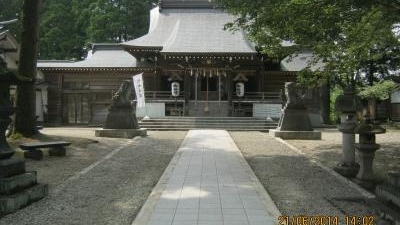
(326, 220)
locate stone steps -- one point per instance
(18, 188)
(224, 123)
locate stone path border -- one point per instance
(90, 167)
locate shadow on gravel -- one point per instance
(387, 158)
(43, 137)
(299, 186)
(112, 192)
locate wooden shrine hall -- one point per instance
(214, 72)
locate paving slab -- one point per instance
(208, 182)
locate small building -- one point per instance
(9, 52)
(80, 92)
(220, 73)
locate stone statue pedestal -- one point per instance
(295, 122)
(297, 135)
(121, 133)
(121, 123)
(121, 119)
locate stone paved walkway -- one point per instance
(208, 182)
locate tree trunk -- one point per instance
(25, 118)
(229, 87)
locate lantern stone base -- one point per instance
(121, 133)
(12, 166)
(17, 187)
(299, 135)
(14, 202)
(347, 170)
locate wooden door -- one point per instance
(76, 109)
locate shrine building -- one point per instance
(214, 72)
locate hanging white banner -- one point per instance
(139, 90)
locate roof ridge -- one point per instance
(164, 4)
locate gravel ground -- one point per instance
(98, 184)
(298, 185)
(110, 191)
(328, 150)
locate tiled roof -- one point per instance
(104, 56)
(299, 61)
(9, 50)
(192, 31)
(164, 4)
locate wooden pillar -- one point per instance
(61, 104)
(260, 81)
(158, 80)
(325, 103)
(199, 78)
(229, 86)
(186, 88)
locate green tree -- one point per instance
(68, 26)
(11, 9)
(59, 39)
(81, 12)
(352, 38)
(380, 90)
(118, 20)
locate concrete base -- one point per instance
(121, 133)
(57, 151)
(12, 203)
(299, 135)
(33, 154)
(388, 194)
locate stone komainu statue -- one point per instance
(295, 115)
(124, 96)
(292, 98)
(122, 112)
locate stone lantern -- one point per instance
(6, 79)
(18, 187)
(367, 147)
(348, 104)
